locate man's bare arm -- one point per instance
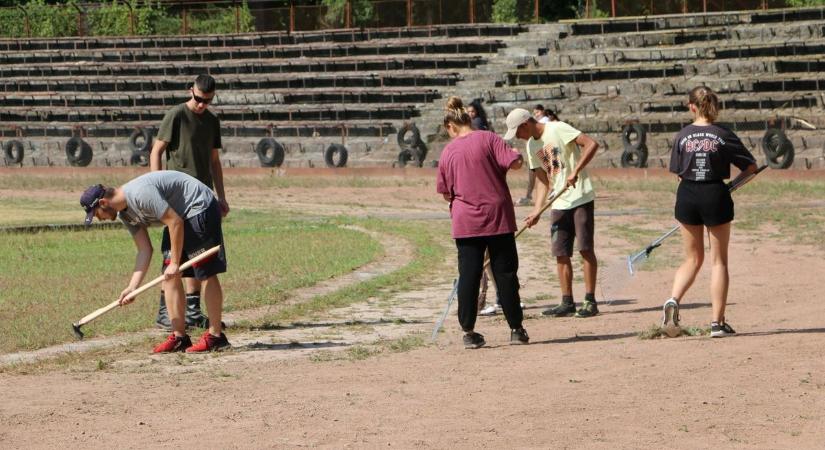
(155, 155)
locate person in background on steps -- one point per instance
(542, 116)
(702, 155)
(478, 116)
(472, 177)
(557, 151)
(191, 137)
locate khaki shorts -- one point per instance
(568, 225)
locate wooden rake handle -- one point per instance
(541, 211)
(99, 312)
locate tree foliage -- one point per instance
(799, 3)
(118, 18)
(363, 12)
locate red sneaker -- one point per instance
(209, 343)
(173, 344)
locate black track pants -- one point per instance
(503, 261)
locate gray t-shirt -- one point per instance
(149, 196)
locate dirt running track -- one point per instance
(582, 383)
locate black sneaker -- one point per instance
(717, 331)
(588, 309)
(519, 337)
(563, 309)
(473, 340)
(194, 315)
(162, 320)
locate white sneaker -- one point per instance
(670, 318)
(522, 305)
(490, 310)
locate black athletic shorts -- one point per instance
(703, 203)
(200, 233)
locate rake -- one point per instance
(634, 258)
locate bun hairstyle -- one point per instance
(705, 101)
(456, 113)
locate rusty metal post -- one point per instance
(409, 13)
(536, 11)
(131, 18)
(684, 7)
(79, 19)
(184, 21)
(237, 17)
(26, 24)
(291, 16)
(613, 8)
(704, 5)
(472, 11)
(348, 14)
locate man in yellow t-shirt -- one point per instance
(557, 150)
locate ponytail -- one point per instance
(456, 113)
(705, 101)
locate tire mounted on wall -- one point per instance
(778, 149)
(141, 140)
(336, 150)
(270, 152)
(13, 151)
(635, 156)
(78, 152)
(634, 135)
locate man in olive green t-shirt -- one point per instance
(191, 137)
(566, 151)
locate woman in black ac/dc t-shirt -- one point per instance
(702, 155)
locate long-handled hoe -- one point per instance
(645, 253)
(99, 312)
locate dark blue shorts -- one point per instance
(200, 233)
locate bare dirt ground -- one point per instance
(582, 383)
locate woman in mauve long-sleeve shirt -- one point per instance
(472, 176)
(702, 155)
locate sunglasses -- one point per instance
(205, 101)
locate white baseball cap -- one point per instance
(516, 117)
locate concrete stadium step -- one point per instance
(584, 75)
(681, 54)
(409, 78)
(693, 20)
(258, 67)
(270, 97)
(803, 83)
(262, 39)
(243, 53)
(247, 113)
(355, 128)
(690, 37)
(738, 121)
(782, 104)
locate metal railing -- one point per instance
(236, 16)
(167, 17)
(621, 8)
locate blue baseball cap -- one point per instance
(89, 201)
